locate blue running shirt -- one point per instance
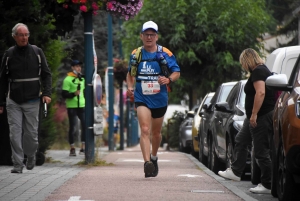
(149, 70)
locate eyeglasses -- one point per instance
(23, 35)
(149, 35)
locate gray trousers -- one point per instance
(23, 120)
(261, 136)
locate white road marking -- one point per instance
(142, 161)
(188, 175)
(77, 198)
(206, 191)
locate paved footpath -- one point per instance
(181, 177)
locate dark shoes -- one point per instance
(81, 152)
(155, 172)
(148, 168)
(151, 168)
(17, 169)
(30, 163)
(72, 152)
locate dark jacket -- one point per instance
(23, 63)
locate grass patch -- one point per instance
(98, 161)
(50, 160)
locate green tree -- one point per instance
(207, 38)
(287, 23)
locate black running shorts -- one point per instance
(156, 112)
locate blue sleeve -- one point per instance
(172, 63)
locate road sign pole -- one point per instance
(89, 102)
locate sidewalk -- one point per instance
(181, 177)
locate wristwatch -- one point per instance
(171, 80)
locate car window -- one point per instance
(207, 100)
(232, 96)
(214, 98)
(224, 93)
(241, 102)
(289, 67)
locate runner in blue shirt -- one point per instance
(148, 75)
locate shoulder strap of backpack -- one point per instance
(36, 51)
(138, 55)
(9, 53)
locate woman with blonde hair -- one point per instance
(258, 125)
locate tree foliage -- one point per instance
(287, 22)
(207, 37)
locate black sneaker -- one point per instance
(81, 152)
(72, 152)
(148, 168)
(30, 163)
(155, 172)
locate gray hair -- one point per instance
(14, 29)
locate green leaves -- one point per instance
(207, 37)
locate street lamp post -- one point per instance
(110, 86)
(89, 68)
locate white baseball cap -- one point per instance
(150, 25)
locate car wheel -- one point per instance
(213, 158)
(274, 171)
(181, 148)
(287, 189)
(194, 153)
(202, 157)
(255, 170)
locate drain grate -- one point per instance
(206, 191)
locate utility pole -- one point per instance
(89, 101)
(110, 86)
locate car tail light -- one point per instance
(298, 108)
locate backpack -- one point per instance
(9, 54)
(36, 51)
(137, 59)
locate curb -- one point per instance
(221, 180)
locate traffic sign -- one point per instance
(97, 85)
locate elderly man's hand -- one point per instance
(46, 99)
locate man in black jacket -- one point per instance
(24, 78)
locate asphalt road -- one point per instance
(181, 177)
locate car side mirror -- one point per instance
(223, 107)
(278, 82)
(201, 112)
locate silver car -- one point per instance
(185, 133)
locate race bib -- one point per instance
(150, 87)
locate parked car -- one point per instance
(286, 140)
(185, 133)
(233, 113)
(207, 141)
(196, 124)
(282, 60)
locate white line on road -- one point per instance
(189, 175)
(142, 161)
(206, 191)
(76, 198)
